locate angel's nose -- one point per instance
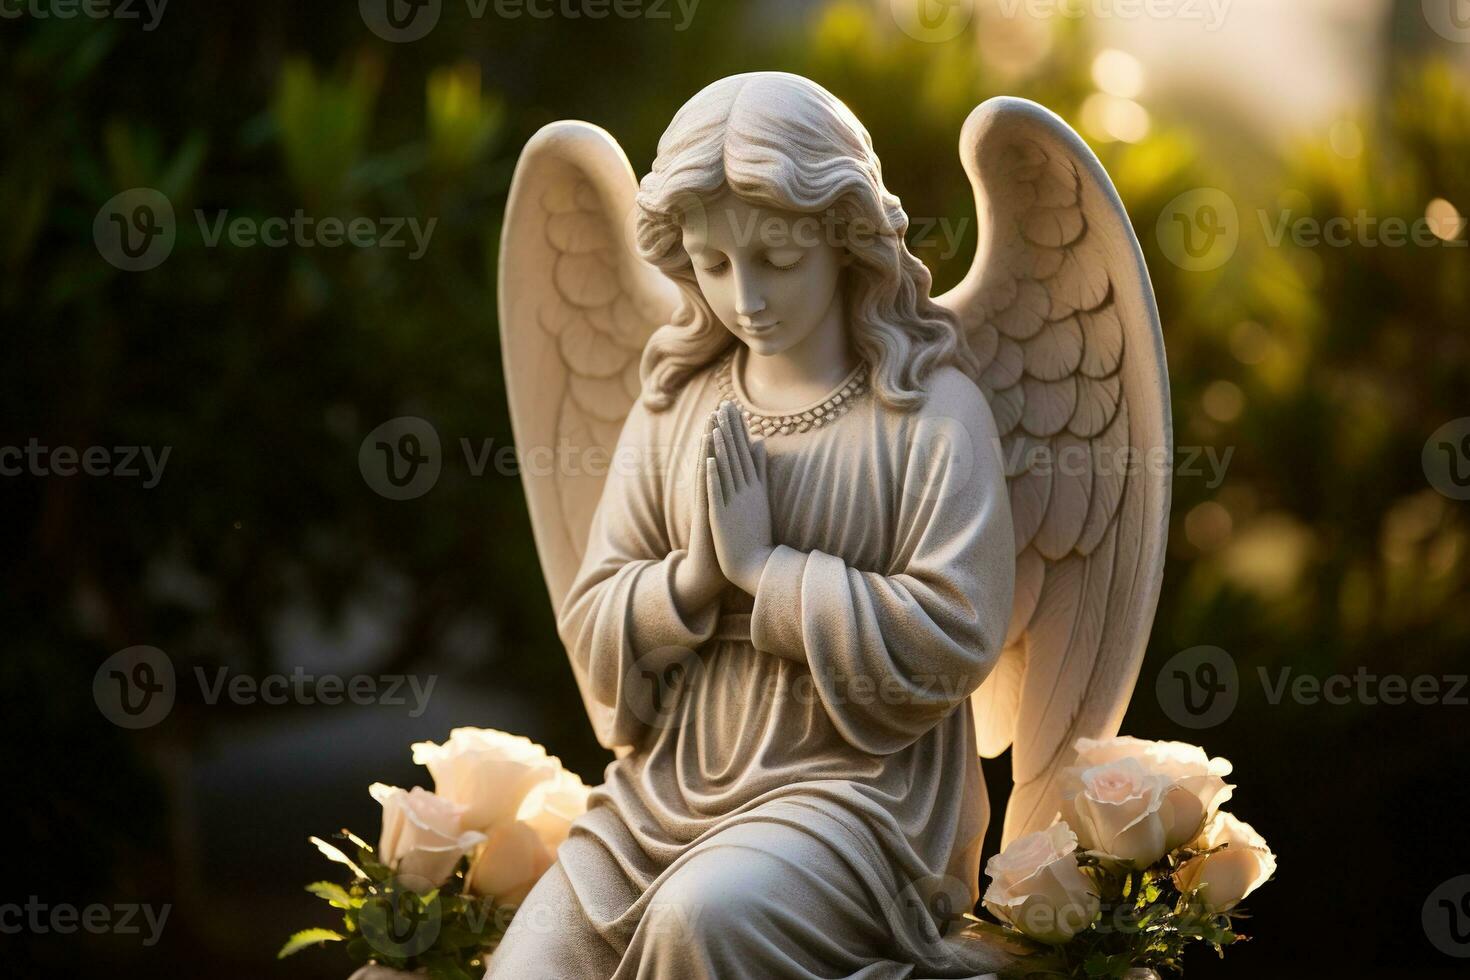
(748, 298)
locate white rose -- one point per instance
(1197, 786)
(423, 835)
(1173, 759)
(487, 772)
(1117, 809)
(512, 860)
(1037, 886)
(518, 852)
(1224, 878)
(550, 807)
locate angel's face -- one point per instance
(772, 277)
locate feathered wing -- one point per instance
(1059, 310)
(577, 306)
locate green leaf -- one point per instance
(362, 845)
(332, 892)
(332, 853)
(376, 871)
(359, 950)
(447, 970)
(308, 937)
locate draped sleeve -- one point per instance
(619, 618)
(893, 651)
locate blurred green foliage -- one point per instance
(1322, 370)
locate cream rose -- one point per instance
(1173, 759)
(1038, 888)
(1118, 809)
(511, 862)
(423, 835)
(550, 807)
(1197, 786)
(1226, 877)
(518, 852)
(487, 772)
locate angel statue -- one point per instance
(800, 513)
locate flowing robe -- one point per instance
(803, 796)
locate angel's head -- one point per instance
(766, 207)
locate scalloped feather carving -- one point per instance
(1076, 378)
(577, 306)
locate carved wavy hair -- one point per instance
(783, 142)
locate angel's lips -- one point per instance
(760, 328)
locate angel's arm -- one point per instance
(891, 654)
(623, 613)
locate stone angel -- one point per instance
(816, 540)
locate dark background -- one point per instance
(263, 548)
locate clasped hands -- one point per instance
(730, 535)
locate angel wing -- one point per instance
(577, 306)
(1060, 312)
